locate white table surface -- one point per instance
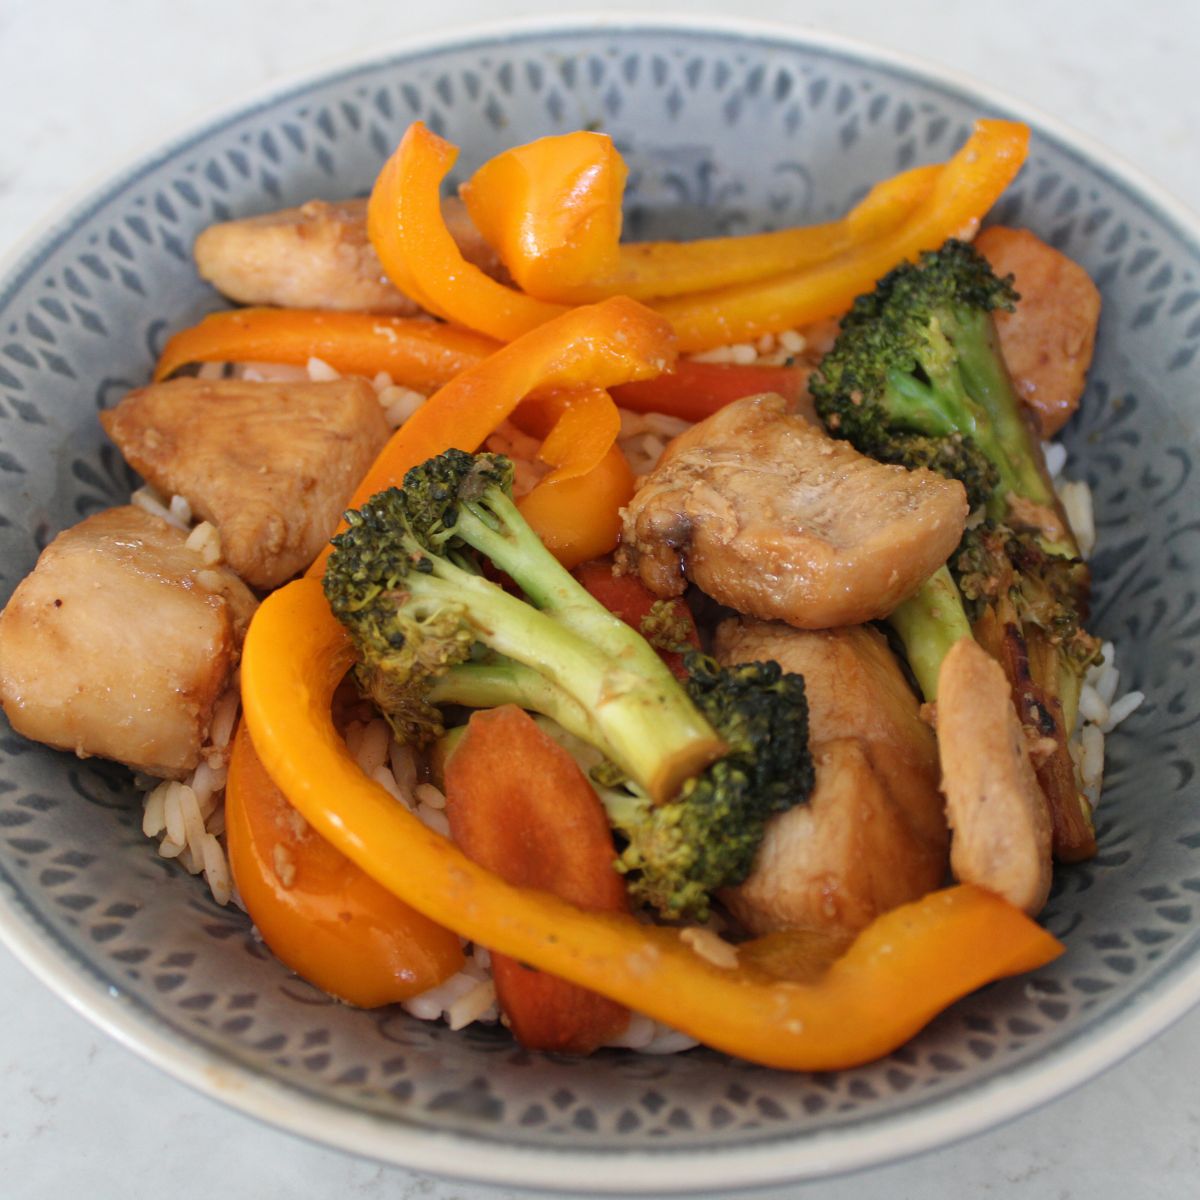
(86, 85)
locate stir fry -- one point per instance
(665, 632)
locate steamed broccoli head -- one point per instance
(914, 375)
(679, 853)
(437, 492)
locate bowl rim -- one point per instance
(1098, 1045)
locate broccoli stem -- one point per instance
(928, 623)
(624, 702)
(1007, 439)
(502, 681)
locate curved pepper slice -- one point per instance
(418, 354)
(319, 913)
(655, 270)
(576, 509)
(902, 970)
(552, 210)
(595, 346)
(967, 186)
(407, 229)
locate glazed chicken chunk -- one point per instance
(770, 516)
(873, 834)
(120, 642)
(271, 465)
(1047, 341)
(317, 256)
(994, 803)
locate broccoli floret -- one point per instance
(916, 377)
(677, 854)
(405, 579)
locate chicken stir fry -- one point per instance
(771, 517)
(78, 673)
(270, 465)
(873, 834)
(317, 256)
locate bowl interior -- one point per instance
(723, 133)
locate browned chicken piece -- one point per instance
(1048, 340)
(120, 642)
(770, 516)
(996, 808)
(318, 256)
(271, 465)
(873, 834)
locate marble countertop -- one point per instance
(87, 89)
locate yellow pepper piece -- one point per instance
(902, 970)
(552, 210)
(407, 229)
(967, 186)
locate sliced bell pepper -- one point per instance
(595, 346)
(654, 270)
(695, 390)
(416, 353)
(317, 911)
(575, 509)
(407, 229)
(967, 186)
(552, 210)
(520, 806)
(902, 970)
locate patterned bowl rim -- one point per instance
(1099, 1045)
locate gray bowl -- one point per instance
(726, 129)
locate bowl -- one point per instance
(726, 128)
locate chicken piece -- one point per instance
(272, 465)
(120, 642)
(318, 256)
(1047, 342)
(873, 834)
(996, 808)
(770, 516)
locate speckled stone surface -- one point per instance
(94, 92)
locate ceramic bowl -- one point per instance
(726, 129)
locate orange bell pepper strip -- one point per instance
(318, 912)
(901, 971)
(595, 346)
(967, 186)
(407, 229)
(418, 354)
(654, 270)
(575, 510)
(552, 210)
(695, 390)
(519, 805)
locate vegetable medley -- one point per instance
(712, 737)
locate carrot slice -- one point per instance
(520, 806)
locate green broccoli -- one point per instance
(707, 762)
(916, 377)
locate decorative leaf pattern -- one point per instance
(720, 136)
